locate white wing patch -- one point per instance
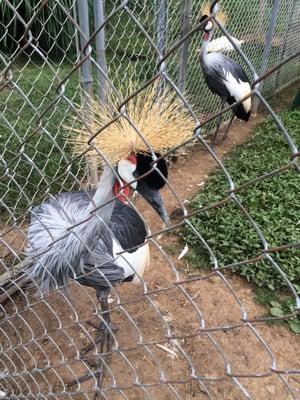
(223, 44)
(237, 89)
(132, 263)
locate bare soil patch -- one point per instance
(44, 335)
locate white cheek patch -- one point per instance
(209, 26)
(126, 170)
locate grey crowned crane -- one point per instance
(224, 76)
(89, 253)
(97, 238)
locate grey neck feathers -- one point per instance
(104, 194)
(204, 46)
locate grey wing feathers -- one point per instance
(235, 68)
(60, 252)
(213, 77)
(103, 276)
(214, 73)
(100, 270)
(84, 257)
(129, 234)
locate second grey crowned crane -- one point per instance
(102, 225)
(224, 76)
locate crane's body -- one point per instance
(69, 229)
(224, 77)
(96, 238)
(99, 264)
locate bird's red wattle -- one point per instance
(121, 193)
(206, 35)
(132, 159)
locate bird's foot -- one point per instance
(177, 214)
(218, 141)
(224, 136)
(102, 344)
(100, 328)
(213, 142)
(97, 374)
(103, 329)
(90, 375)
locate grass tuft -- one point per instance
(274, 203)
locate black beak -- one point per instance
(153, 197)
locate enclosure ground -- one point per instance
(57, 344)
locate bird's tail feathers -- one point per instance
(241, 113)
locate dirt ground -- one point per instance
(173, 341)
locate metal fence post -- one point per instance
(77, 47)
(100, 48)
(261, 13)
(161, 33)
(184, 53)
(86, 70)
(284, 39)
(161, 25)
(268, 46)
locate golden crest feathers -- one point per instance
(159, 121)
(205, 9)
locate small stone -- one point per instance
(271, 389)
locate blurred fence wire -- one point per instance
(54, 53)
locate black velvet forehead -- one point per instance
(154, 180)
(202, 28)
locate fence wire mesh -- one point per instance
(181, 335)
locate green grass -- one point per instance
(274, 203)
(33, 162)
(279, 304)
(51, 27)
(25, 163)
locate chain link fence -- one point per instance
(171, 342)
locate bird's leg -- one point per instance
(103, 340)
(219, 121)
(105, 325)
(228, 127)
